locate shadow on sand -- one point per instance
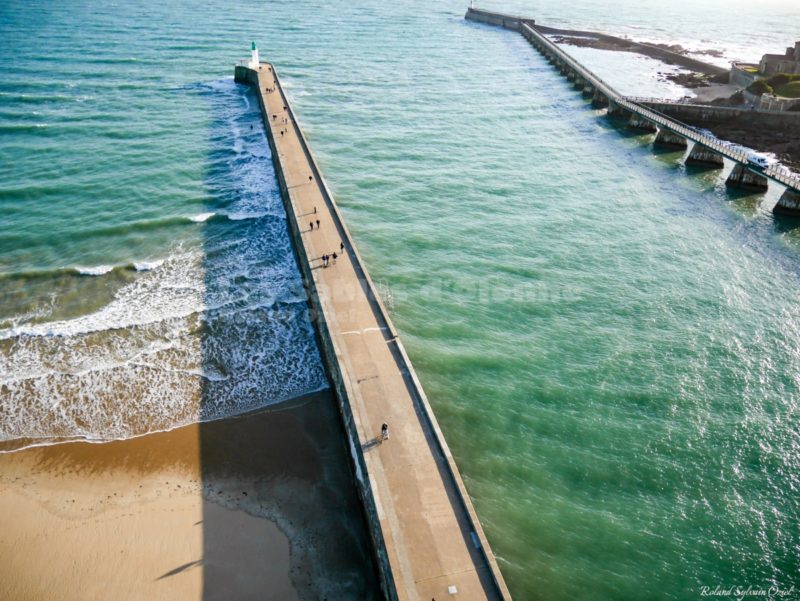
(281, 516)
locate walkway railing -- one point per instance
(585, 73)
(653, 100)
(684, 130)
(633, 104)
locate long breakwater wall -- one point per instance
(425, 534)
(666, 119)
(668, 56)
(710, 114)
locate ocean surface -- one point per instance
(610, 341)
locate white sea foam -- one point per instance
(201, 217)
(96, 270)
(148, 265)
(168, 292)
(170, 349)
(242, 215)
(206, 333)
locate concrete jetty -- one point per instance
(644, 115)
(427, 540)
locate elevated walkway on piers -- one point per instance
(639, 114)
(426, 536)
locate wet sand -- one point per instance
(255, 507)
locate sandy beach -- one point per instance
(254, 507)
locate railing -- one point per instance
(646, 99)
(684, 130)
(585, 73)
(634, 104)
(778, 174)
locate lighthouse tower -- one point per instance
(254, 56)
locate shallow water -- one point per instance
(609, 340)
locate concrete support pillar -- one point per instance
(599, 99)
(667, 139)
(789, 203)
(588, 89)
(742, 177)
(704, 157)
(638, 122)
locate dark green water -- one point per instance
(611, 343)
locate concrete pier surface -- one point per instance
(427, 539)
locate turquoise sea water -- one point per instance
(610, 342)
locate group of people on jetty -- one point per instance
(326, 258)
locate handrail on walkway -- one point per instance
(633, 104)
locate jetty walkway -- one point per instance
(706, 151)
(427, 540)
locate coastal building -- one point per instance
(788, 62)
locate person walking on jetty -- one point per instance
(384, 432)
(310, 225)
(341, 247)
(324, 260)
(335, 256)
(317, 223)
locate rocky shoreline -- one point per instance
(656, 51)
(784, 144)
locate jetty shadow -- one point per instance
(668, 154)
(702, 170)
(626, 132)
(785, 224)
(280, 512)
(744, 202)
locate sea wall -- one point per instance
(491, 18)
(704, 114)
(336, 360)
(665, 55)
(768, 102)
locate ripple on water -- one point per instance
(609, 340)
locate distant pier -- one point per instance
(426, 536)
(642, 114)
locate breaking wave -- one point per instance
(205, 333)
